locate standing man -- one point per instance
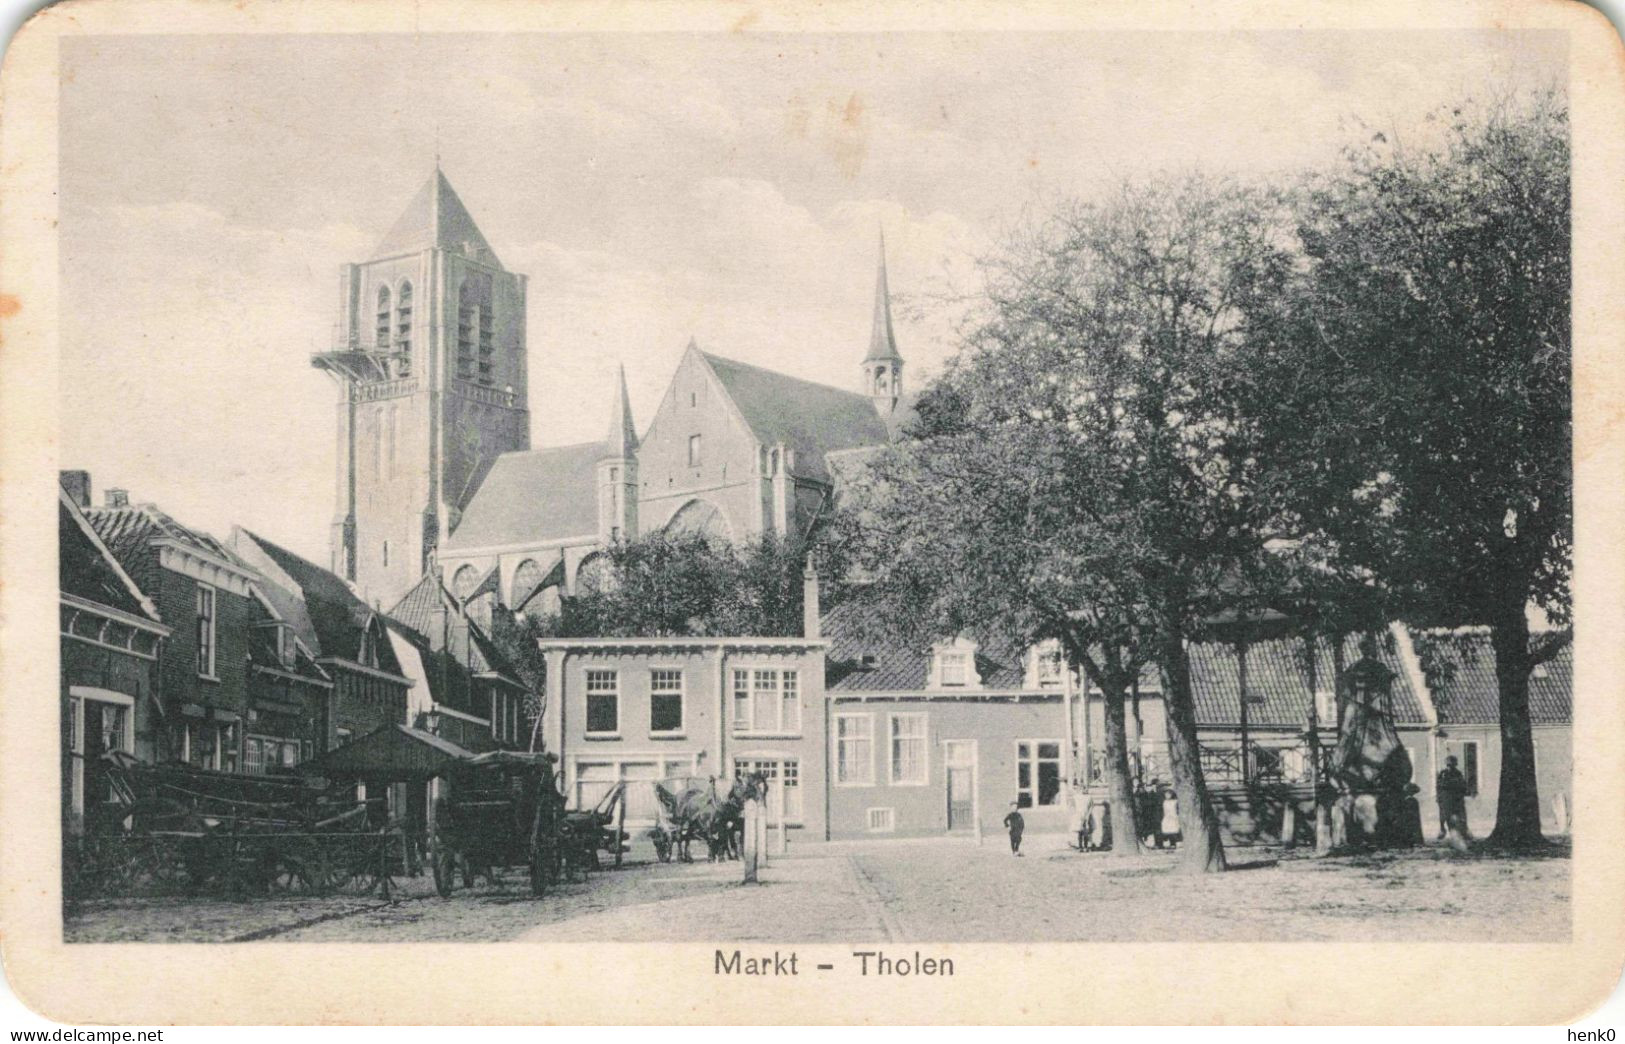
(1015, 824)
(1452, 791)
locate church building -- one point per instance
(435, 469)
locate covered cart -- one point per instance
(494, 810)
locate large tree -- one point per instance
(1088, 473)
(1421, 386)
(662, 585)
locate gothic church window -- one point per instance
(403, 331)
(463, 582)
(467, 319)
(693, 451)
(381, 332)
(525, 579)
(476, 330)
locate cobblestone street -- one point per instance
(941, 891)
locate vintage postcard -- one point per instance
(812, 513)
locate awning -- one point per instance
(392, 754)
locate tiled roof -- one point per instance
(1278, 681)
(470, 646)
(1466, 692)
(337, 616)
(531, 496)
(854, 632)
(436, 217)
(812, 419)
(262, 651)
(1275, 679)
(280, 589)
(129, 532)
(86, 570)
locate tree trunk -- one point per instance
(1125, 831)
(1517, 809)
(1202, 849)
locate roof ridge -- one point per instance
(781, 375)
(536, 450)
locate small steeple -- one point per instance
(882, 368)
(882, 342)
(623, 437)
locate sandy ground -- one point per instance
(937, 891)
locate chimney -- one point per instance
(810, 627)
(77, 485)
(117, 498)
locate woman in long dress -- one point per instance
(1170, 819)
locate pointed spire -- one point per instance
(882, 342)
(623, 437)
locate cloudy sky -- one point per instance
(727, 187)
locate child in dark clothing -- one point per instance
(1015, 824)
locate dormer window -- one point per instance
(1047, 666)
(953, 665)
(286, 647)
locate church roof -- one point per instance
(437, 218)
(811, 419)
(531, 496)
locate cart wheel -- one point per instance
(289, 876)
(444, 864)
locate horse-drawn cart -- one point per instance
(495, 810)
(177, 829)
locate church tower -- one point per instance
(618, 472)
(883, 365)
(429, 357)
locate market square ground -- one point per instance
(927, 891)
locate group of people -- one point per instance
(1156, 815)
(1156, 819)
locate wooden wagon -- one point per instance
(495, 810)
(175, 828)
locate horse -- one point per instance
(729, 830)
(697, 813)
